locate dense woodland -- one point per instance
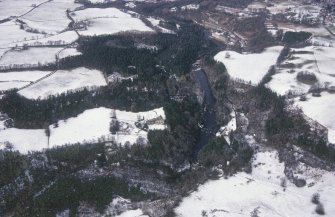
(293, 38)
(254, 28)
(286, 127)
(231, 157)
(56, 169)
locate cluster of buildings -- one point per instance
(307, 13)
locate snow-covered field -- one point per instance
(11, 80)
(9, 85)
(89, 126)
(16, 7)
(108, 21)
(325, 57)
(17, 37)
(107, 26)
(2, 52)
(14, 35)
(281, 6)
(23, 75)
(68, 52)
(63, 81)
(94, 13)
(51, 17)
(64, 38)
(262, 193)
(321, 109)
(316, 31)
(94, 124)
(317, 60)
(249, 67)
(31, 57)
(24, 140)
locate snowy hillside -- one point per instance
(265, 192)
(249, 67)
(107, 21)
(321, 109)
(311, 60)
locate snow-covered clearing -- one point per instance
(321, 109)
(286, 82)
(130, 5)
(90, 126)
(63, 81)
(11, 80)
(316, 31)
(231, 126)
(3, 118)
(100, 1)
(122, 205)
(190, 7)
(323, 41)
(24, 140)
(68, 52)
(249, 67)
(156, 23)
(117, 77)
(31, 57)
(51, 17)
(132, 213)
(146, 46)
(108, 21)
(316, 60)
(261, 193)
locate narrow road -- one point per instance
(333, 34)
(37, 6)
(72, 21)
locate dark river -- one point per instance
(210, 126)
